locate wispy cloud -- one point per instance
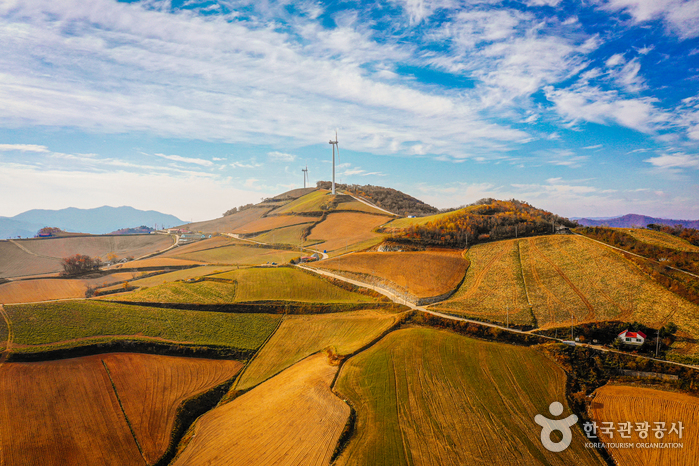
(23, 148)
(179, 158)
(670, 161)
(281, 156)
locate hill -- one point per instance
(635, 220)
(387, 198)
(486, 220)
(98, 221)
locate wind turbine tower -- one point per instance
(305, 176)
(334, 144)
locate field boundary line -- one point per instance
(30, 252)
(10, 337)
(239, 377)
(128, 422)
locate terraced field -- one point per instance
(291, 419)
(75, 323)
(209, 243)
(421, 274)
(347, 230)
(229, 222)
(622, 404)
(68, 412)
(240, 255)
(287, 235)
(301, 336)
(271, 223)
(658, 238)
(27, 291)
(184, 274)
(311, 202)
(493, 286)
(431, 397)
(98, 246)
(156, 262)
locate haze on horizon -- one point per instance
(191, 108)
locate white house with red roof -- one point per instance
(632, 338)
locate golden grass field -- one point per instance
(422, 274)
(622, 404)
(19, 263)
(230, 222)
(156, 262)
(27, 291)
(658, 238)
(432, 397)
(272, 222)
(311, 202)
(249, 284)
(287, 235)
(303, 335)
(567, 277)
(291, 419)
(66, 412)
(183, 274)
(401, 223)
(240, 254)
(346, 229)
(208, 243)
(493, 285)
(99, 246)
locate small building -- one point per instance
(632, 338)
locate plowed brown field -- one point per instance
(29, 291)
(18, 263)
(230, 222)
(620, 404)
(270, 223)
(66, 412)
(292, 419)
(98, 246)
(422, 274)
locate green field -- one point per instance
(248, 284)
(300, 336)
(184, 274)
(240, 255)
(50, 323)
(432, 397)
(287, 235)
(311, 202)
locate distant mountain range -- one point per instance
(98, 221)
(631, 220)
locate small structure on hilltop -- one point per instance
(632, 338)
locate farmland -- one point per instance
(52, 422)
(432, 397)
(621, 404)
(493, 285)
(184, 274)
(311, 202)
(240, 254)
(271, 223)
(300, 336)
(564, 277)
(156, 262)
(347, 230)
(291, 419)
(17, 262)
(98, 246)
(421, 274)
(26, 291)
(201, 292)
(73, 323)
(229, 222)
(208, 243)
(658, 238)
(287, 235)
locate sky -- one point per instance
(584, 108)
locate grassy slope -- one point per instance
(613, 403)
(183, 274)
(287, 235)
(230, 222)
(401, 223)
(423, 274)
(432, 397)
(658, 238)
(17, 263)
(292, 419)
(311, 202)
(99, 246)
(272, 222)
(300, 336)
(46, 323)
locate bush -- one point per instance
(79, 264)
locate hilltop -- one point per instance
(387, 198)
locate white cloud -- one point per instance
(23, 148)
(178, 158)
(680, 16)
(281, 156)
(615, 60)
(670, 161)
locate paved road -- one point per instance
(237, 236)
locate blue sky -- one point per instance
(585, 108)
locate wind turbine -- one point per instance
(334, 143)
(305, 176)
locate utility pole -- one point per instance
(657, 343)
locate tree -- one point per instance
(79, 264)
